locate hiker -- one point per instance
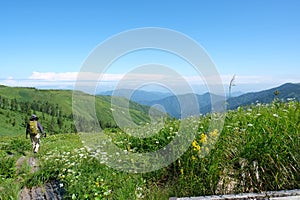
(34, 128)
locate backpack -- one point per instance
(33, 127)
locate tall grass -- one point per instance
(11, 148)
(257, 150)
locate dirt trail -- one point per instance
(49, 191)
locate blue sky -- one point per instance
(256, 40)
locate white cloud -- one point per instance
(241, 79)
(67, 80)
(90, 76)
(73, 76)
(9, 81)
(53, 76)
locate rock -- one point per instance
(37, 193)
(19, 163)
(24, 194)
(33, 163)
(50, 191)
(270, 195)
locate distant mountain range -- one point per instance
(285, 92)
(139, 96)
(171, 105)
(57, 113)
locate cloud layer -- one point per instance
(67, 80)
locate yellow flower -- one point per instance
(214, 134)
(206, 149)
(203, 138)
(181, 171)
(97, 184)
(193, 158)
(196, 145)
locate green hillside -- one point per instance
(257, 150)
(54, 108)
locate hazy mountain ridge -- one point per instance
(171, 104)
(285, 92)
(138, 96)
(168, 101)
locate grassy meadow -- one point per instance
(257, 150)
